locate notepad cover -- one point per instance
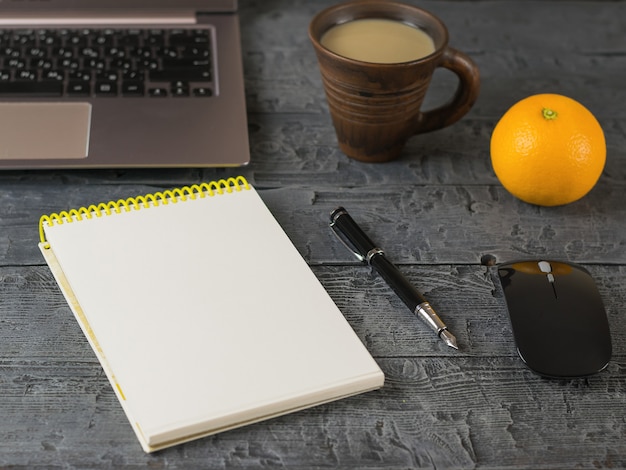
(204, 316)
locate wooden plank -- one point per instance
(300, 150)
(420, 224)
(39, 327)
(432, 412)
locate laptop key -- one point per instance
(202, 91)
(106, 88)
(157, 92)
(82, 75)
(132, 88)
(52, 75)
(200, 63)
(78, 88)
(187, 75)
(26, 75)
(199, 38)
(156, 37)
(194, 52)
(131, 38)
(180, 88)
(31, 88)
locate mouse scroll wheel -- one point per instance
(545, 267)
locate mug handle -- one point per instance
(464, 97)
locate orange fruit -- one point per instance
(548, 150)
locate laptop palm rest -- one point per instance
(44, 130)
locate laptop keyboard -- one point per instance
(154, 63)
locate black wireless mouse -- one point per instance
(559, 322)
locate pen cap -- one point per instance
(344, 223)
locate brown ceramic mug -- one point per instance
(376, 107)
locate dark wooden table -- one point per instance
(436, 211)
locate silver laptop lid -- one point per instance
(197, 5)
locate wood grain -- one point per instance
(423, 224)
(438, 408)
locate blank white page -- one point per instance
(205, 316)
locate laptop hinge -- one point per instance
(99, 18)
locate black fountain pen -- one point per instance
(351, 235)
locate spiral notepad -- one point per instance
(201, 311)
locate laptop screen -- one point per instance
(19, 6)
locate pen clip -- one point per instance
(344, 240)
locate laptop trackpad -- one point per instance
(44, 130)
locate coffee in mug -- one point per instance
(375, 97)
(378, 40)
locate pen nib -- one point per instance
(448, 338)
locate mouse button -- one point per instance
(585, 278)
(533, 349)
(560, 268)
(585, 322)
(524, 272)
(529, 300)
(579, 293)
(535, 334)
(526, 267)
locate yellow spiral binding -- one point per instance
(146, 201)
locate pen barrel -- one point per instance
(396, 280)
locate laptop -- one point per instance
(121, 84)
